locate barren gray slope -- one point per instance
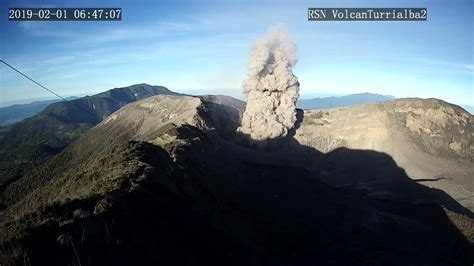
(430, 139)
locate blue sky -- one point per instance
(202, 47)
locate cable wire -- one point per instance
(54, 93)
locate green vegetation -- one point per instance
(28, 144)
(184, 195)
(136, 203)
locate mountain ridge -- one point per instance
(28, 143)
(197, 195)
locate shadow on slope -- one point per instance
(214, 202)
(344, 167)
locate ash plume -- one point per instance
(271, 87)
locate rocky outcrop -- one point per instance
(430, 139)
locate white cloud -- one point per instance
(70, 76)
(75, 37)
(59, 60)
(446, 65)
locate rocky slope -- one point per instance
(166, 181)
(430, 139)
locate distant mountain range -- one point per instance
(28, 143)
(347, 100)
(468, 108)
(17, 112)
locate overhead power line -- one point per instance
(54, 93)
